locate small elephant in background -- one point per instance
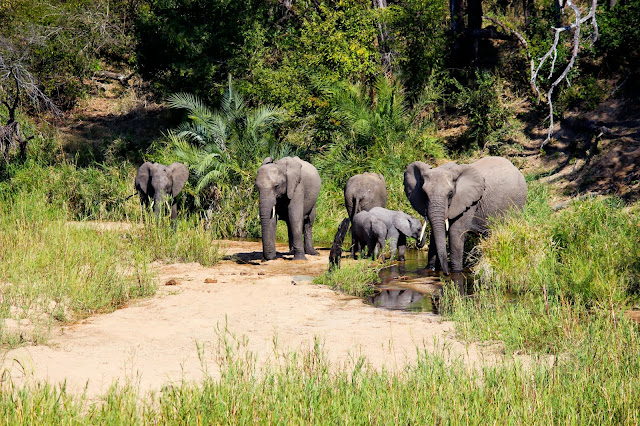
(368, 231)
(399, 226)
(156, 183)
(364, 192)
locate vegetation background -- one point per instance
(350, 86)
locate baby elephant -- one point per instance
(399, 226)
(368, 231)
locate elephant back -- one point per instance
(505, 186)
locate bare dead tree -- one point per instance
(552, 53)
(18, 87)
(383, 37)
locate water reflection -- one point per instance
(407, 286)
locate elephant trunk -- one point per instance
(437, 219)
(268, 223)
(158, 199)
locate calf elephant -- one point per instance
(288, 190)
(364, 192)
(157, 183)
(399, 226)
(457, 199)
(368, 231)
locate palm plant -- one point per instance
(376, 129)
(225, 143)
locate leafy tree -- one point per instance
(62, 42)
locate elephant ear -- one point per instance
(469, 189)
(402, 222)
(180, 174)
(294, 175)
(143, 176)
(413, 185)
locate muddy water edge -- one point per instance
(407, 286)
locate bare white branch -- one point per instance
(575, 26)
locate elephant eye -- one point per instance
(450, 193)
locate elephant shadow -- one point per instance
(255, 257)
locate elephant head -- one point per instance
(158, 182)
(411, 227)
(440, 195)
(278, 180)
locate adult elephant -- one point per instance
(457, 199)
(288, 190)
(157, 182)
(399, 226)
(364, 192)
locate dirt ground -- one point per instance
(153, 342)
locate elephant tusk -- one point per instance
(424, 228)
(446, 224)
(273, 212)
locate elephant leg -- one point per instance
(381, 240)
(290, 237)
(402, 247)
(456, 245)
(372, 247)
(308, 233)
(296, 224)
(392, 236)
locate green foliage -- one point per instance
(62, 42)
(355, 279)
(92, 193)
(619, 35)
(485, 106)
(186, 45)
(224, 144)
(419, 32)
(542, 273)
(587, 252)
(584, 94)
(375, 130)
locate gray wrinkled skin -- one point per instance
(399, 226)
(158, 183)
(465, 197)
(291, 186)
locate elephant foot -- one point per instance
(312, 251)
(300, 257)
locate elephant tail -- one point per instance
(336, 248)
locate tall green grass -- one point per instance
(597, 383)
(355, 278)
(543, 275)
(53, 269)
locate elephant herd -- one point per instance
(455, 199)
